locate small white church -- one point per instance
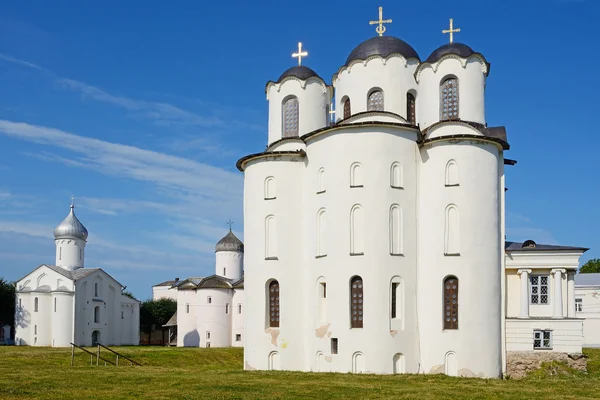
(375, 241)
(210, 310)
(66, 303)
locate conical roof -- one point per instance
(71, 228)
(229, 243)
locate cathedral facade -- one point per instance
(375, 241)
(63, 303)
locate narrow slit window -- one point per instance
(290, 117)
(274, 304)
(356, 302)
(347, 109)
(449, 99)
(411, 114)
(450, 303)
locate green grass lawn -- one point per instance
(186, 373)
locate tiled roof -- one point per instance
(518, 246)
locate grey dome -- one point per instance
(382, 46)
(71, 228)
(230, 243)
(459, 49)
(300, 72)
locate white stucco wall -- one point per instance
(477, 264)
(229, 264)
(70, 253)
(237, 318)
(567, 334)
(590, 313)
(393, 76)
(471, 90)
(314, 98)
(163, 292)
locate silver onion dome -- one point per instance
(71, 228)
(229, 243)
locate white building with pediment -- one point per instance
(62, 303)
(376, 242)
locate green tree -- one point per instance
(7, 296)
(128, 294)
(156, 313)
(591, 267)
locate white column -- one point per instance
(571, 294)
(558, 300)
(524, 313)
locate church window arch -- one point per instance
(290, 117)
(356, 302)
(270, 238)
(322, 300)
(356, 175)
(187, 308)
(395, 230)
(273, 308)
(347, 107)
(452, 173)
(36, 303)
(96, 289)
(270, 188)
(97, 314)
(357, 230)
(321, 180)
(450, 310)
(450, 364)
(375, 100)
(449, 101)
(411, 108)
(452, 231)
(396, 175)
(55, 304)
(321, 232)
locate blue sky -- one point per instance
(140, 109)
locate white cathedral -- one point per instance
(210, 310)
(62, 303)
(376, 242)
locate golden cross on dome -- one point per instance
(451, 31)
(230, 222)
(380, 29)
(300, 54)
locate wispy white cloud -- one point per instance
(21, 62)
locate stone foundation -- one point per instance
(520, 363)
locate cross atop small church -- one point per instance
(300, 54)
(230, 222)
(72, 201)
(380, 29)
(451, 31)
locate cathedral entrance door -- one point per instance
(95, 338)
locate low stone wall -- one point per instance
(520, 363)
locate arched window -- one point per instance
(396, 176)
(290, 117)
(450, 311)
(356, 302)
(395, 230)
(347, 109)
(451, 173)
(270, 188)
(35, 304)
(321, 232)
(452, 231)
(356, 175)
(321, 180)
(270, 237)
(375, 101)
(97, 314)
(96, 289)
(411, 112)
(357, 231)
(274, 304)
(449, 99)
